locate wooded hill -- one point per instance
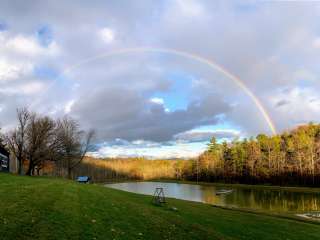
(289, 158)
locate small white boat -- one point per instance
(224, 191)
(312, 215)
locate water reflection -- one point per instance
(262, 199)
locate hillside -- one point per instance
(47, 208)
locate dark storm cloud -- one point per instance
(282, 103)
(123, 113)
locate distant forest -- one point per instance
(290, 158)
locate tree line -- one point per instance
(38, 140)
(292, 157)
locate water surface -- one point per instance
(250, 198)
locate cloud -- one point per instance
(305, 100)
(28, 46)
(159, 101)
(200, 135)
(282, 103)
(20, 54)
(10, 70)
(150, 150)
(316, 42)
(68, 106)
(190, 8)
(124, 113)
(30, 88)
(107, 35)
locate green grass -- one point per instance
(47, 208)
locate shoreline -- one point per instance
(282, 215)
(237, 185)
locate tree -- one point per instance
(214, 158)
(265, 148)
(74, 143)
(239, 157)
(227, 159)
(38, 139)
(213, 146)
(41, 141)
(16, 139)
(277, 155)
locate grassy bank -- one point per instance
(44, 208)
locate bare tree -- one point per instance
(16, 140)
(74, 143)
(41, 141)
(38, 139)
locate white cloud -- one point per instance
(23, 45)
(155, 151)
(28, 46)
(10, 70)
(304, 74)
(19, 54)
(190, 8)
(296, 105)
(68, 106)
(30, 88)
(156, 100)
(107, 35)
(316, 42)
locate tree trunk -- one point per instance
(20, 166)
(312, 166)
(30, 168)
(69, 172)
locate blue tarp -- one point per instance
(83, 179)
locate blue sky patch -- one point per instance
(45, 72)
(178, 96)
(45, 36)
(3, 26)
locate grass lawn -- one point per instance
(47, 208)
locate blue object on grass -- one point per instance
(83, 179)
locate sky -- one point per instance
(71, 58)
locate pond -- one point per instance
(282, 201)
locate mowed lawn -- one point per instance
(47, 208)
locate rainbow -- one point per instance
(194, 57)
